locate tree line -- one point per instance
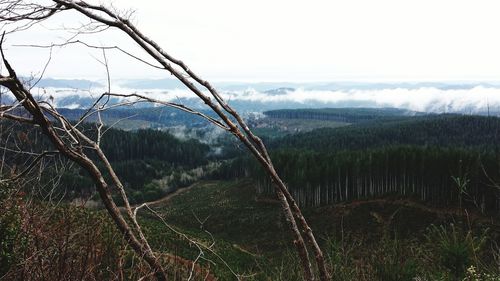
(420, 158)
(446, 130)
(349, 115)
(138, 157)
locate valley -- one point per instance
(249, 140)
(368, 180)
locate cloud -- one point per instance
(429, 99)
(412, 97)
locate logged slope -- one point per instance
(249, 232)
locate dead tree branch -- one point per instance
(230, 121)
(77, 155)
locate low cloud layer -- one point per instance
(471, 99)
(420, 99)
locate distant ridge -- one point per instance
(66, 83)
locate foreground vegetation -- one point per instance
(386, 239)
(381, 240)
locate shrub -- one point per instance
(456, 249)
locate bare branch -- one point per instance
(15, 11)
(72, 42)
(140, 245)
(43, 71)
(32, 165)
(229, 120)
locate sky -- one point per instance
(263, 40)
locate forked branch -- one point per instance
(227, 119)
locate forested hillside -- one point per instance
(348, 115)
(421, 157)
(439, 130)
(149, 162)
(278, 123)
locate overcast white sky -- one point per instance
(286, 40)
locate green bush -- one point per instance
(456, 249)
(10, 228)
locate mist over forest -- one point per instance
(436, 97)
(249, 141)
